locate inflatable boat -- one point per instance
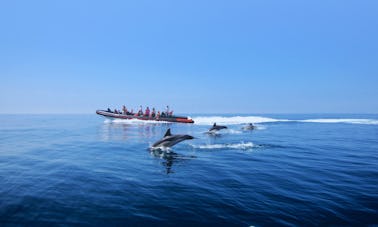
(171, 118)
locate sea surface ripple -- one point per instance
(306, 170)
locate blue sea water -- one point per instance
(307, 170)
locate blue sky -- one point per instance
(197, 56)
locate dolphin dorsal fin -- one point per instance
(168, 133)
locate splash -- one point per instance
(232, 131)
(239, 146)
(107, 121)
(160, 149)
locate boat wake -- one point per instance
(239, 120)
(236, 120)
(233, 120)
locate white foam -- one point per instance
(233, 120)
(107, 121)
(225, 131)
(162, 149)
(232, 131)
(257, 119)
(240, 146)
(260, 127)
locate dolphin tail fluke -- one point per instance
(168, 133)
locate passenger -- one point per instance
(153, 114)
(167, 111)
(109, 110)
(124, 109)
(158, 115)
(140, 112)
(170, 113)
(163, 114)
(147, 112)
(132, 111)
(115, 111)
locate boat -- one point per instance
(170, 118)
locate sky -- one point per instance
(253, 56)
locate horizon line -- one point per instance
(227, 113)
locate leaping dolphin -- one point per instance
(170, 140)
(216, 128)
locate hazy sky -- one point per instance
(197, 56)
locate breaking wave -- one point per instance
(239, 146)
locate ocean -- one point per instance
(306, 170)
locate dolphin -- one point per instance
(170, 140)
(216, 128)
(250, 126)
